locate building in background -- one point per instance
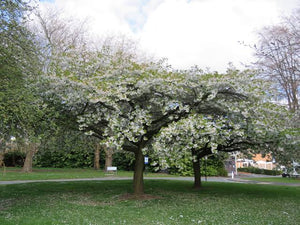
(239, 160)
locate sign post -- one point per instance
(146, 161)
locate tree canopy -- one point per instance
(127, 103)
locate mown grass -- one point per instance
(274, 179)
(62, 173)
(100, 202)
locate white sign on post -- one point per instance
(146, 159)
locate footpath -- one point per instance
(209, 179)
(239, 180)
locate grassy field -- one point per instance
(172, 202)
(274, 179)
(65, 173)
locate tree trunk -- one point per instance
(1, 159)
(197, 174)
(13, 160)
(108, 157)
(138, 177)
(197, 169)
(31, 149)
(97, 157)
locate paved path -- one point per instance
(63, 180)
(211, 179)
(238, 180)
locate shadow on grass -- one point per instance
(152, 187)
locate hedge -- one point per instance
(259, 171)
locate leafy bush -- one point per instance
(70, 150)
(213, 166)
(222, 172)
(259, 171)
(69, 158)
(123, 161)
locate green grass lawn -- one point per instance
(101, 202)
(274, 179)
(62, 173)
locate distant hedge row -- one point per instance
(259, 171)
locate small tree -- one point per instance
(248, 127)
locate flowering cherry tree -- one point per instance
(252, 125)
(200, 135)
(126, 102)
(195, 137)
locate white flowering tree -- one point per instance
(195, 137)
(252, 125)
(127, 103)
(124, 101)
(201, 135)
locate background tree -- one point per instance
(14, 43)
(22, 111)
(57, 34)
(97, 156)
(278, 54)
(63, 39)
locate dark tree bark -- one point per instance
(197, 174)
(197, 170)
(97, 157)
(2, 159)
(138, 177)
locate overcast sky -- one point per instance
(206, 33)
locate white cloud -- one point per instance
(104, 16)
(202, 32)
(206, 33)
